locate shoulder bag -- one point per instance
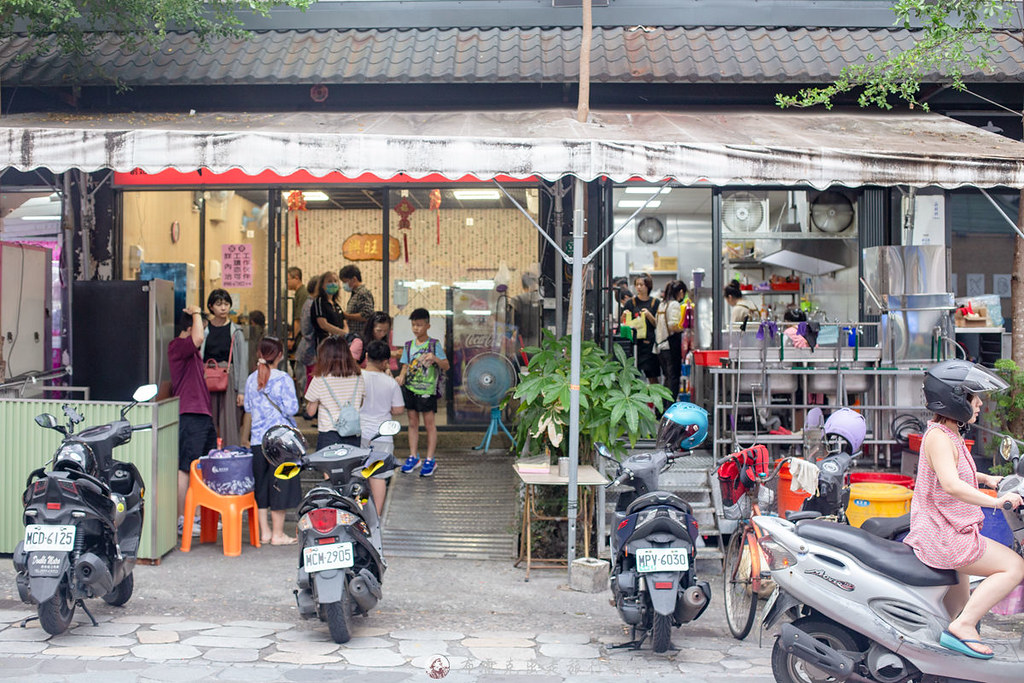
(216, 376)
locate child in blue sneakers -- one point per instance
(423, 361)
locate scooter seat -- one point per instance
(891, 558)
(887, 527)
(659, 498)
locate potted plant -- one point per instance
(615, 399)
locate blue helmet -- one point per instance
(683, 426)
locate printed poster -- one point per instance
(236, 265)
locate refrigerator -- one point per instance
(120, 330)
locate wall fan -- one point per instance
(745, 213)
(833, 212)
(650, 230)
(486, 379)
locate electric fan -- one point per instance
(832, 212)
(487, 378)
(744, 213)
(650, 230)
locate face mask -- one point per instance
(332, 288)
(347, 288)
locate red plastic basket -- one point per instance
(711, 358)
(915, 443)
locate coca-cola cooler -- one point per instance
(120, 330)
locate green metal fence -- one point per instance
(24, 446)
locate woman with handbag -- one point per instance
(669, 335)
(226, 361)
(336, 394)
(270, 400)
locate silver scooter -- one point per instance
(866, 609)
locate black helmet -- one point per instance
(283, 444)
(949, 385)
(75, 455)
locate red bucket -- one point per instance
(882, 478)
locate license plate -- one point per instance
(662, 559)
(323, 557)
(49, 537)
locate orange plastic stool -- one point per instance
(213, 505)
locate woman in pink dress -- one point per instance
(945, 513)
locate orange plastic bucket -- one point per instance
(869, 500)
(787, 499)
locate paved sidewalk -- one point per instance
(202, 616)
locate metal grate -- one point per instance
(467, 510)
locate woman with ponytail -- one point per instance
(270, 400)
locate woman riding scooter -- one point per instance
(945, 512)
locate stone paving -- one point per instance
(167, 648)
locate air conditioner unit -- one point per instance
(744, 214)
(832, 212)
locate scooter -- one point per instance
(83, 520)
(866, 609)
(341, 563)
(653, 579)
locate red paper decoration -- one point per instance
(296, 202)
(405, 209)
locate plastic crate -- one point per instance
(709, 358)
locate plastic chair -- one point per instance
(212, 505)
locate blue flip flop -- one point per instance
(951, 642)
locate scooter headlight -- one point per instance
(776, 554)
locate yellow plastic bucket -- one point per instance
(870, 499)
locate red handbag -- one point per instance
(216, 376)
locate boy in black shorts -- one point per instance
(422, 362)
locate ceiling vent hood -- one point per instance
(813, 256)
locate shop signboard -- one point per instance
(236, 265)
(369, 247)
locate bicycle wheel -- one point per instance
(740, 600)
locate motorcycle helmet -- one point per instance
(949, 386)
(844, 431)
(75, 455)
(283, 444)
(683, 426)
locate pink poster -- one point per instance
(236, 265)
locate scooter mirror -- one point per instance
(46, 421)
(1008, 448)
(603, 451)
(287, 470)
(389, 428)
(144, 393)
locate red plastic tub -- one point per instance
(882, 478)
(711, 358)
(915, 443)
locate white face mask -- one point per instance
(346, 287)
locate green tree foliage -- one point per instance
(72, 25)
(956, 36)
(614, 398)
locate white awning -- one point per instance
(703, 147)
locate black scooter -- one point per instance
(653, 580)
(341, 563)
(83, 520)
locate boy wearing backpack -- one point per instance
(423, 366)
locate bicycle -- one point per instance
(744, 477)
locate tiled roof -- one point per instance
(491, 55)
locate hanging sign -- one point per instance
(236, 265)
(369, 247)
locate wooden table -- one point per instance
(586, 479)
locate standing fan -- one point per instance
(488, 377)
